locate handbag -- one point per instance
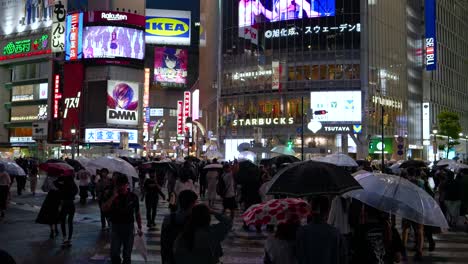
(140, 246)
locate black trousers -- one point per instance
(83, 194)
(67, 213)
(104, 219)
(21, 183)
(151, 208)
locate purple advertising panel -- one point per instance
(113, 42)
(257, 11)
(170, 65)
(106, 17)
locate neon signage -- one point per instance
(187, 113)
(180, 118)
(113, 17)
(71, 103)
(430, 39)
(57, 95)
(26, 45)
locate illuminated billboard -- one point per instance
(109, 135)
(73, 37)
(113, 42)
(19, 16)
(167, 27)
(336, 106)
(122, 103)
(257, 11)
(170, 66)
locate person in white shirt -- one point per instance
(84, 178)
(229, 196)
(184, 183)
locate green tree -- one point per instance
(450, 128)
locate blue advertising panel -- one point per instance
(430, 43)
(73, 37)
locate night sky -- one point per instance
(191, 5)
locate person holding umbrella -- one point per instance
(5, 183)
(104, 190)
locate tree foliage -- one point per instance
(449, 126)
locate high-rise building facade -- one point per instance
(446, 84)
(337, 73)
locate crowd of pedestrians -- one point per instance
(338, 230)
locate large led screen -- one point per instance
(113, 42)
(122, 103)
(170, 65)
(339, 106)
(256, 11)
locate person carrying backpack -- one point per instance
(174, 223)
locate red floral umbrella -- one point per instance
(57, 169)
(277, 211)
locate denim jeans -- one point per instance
(122, 236)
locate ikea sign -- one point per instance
(167, 27)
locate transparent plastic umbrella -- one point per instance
(445, 162)
(113, 164)
(340, 160)
(247, 155)
(13, 168)
(281, 149)
(213, 154)
(398, 196)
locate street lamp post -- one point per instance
(73, 132)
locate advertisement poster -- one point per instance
(339, 106)
(113, 42)
(23, 15)
(167, 27)
(170, 65)
(73, 37)
(122, 103)
(259, 11)
(276, 75)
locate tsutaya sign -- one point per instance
(263, 121)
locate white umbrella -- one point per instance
(247, 155)
(445, 162)
(398, 196)
(282, 149)
(396, 167)
(13, 168)
(340, 159)
(113, 164)
(213, 154)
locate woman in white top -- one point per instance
(184, 183)
(5, 182)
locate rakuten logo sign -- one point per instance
(113, 17)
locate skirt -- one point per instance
(49, 213)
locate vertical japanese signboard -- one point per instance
(73, 37)
(57, 95)
(58, 26)
(187, 102)
(180, 118)
(430, 44)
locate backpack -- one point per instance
(168, 238)
(221, 187)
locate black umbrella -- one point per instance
(413, 163)
(278, 160)
(192, 159)
(75, 164)
(312, 178)
(248, 172)
(55, 161)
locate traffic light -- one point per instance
(289, 143)
(320, 112)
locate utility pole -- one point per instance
(383, 139)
